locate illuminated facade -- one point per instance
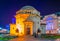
(51, 22)
(27, 22)
(59, 24)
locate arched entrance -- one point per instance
(28, 28)
(28, 31)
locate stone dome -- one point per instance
(33, 10)
(27, 8)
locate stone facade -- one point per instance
(51, 22)
(26, 18)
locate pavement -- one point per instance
(31, 38)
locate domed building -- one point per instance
(27, 21)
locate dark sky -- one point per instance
(8, 8)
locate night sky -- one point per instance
(8, 8)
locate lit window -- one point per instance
(49, 26)
(49, 18)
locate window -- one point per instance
(17, 30)
(13, 27)
(49, 26)
(49, 18)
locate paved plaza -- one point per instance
(31, 38)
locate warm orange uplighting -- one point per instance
(24, 22)
(19, 28)
(20, 18)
